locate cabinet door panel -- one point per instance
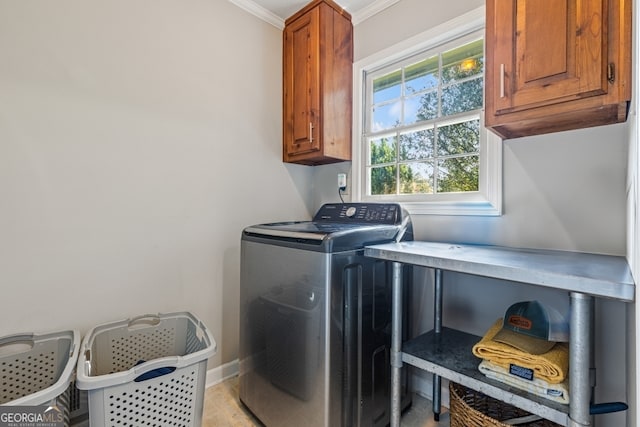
(543, 37)
(558, 52)
(302, 89)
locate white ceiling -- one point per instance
(277, 11)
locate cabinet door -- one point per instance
(301, 85)
(545, 52)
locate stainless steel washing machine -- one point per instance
(315, 317)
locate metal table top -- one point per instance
(604, 276)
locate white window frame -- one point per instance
(487, 201)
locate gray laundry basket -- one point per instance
(37, 369)
(146, 371)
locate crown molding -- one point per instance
(273, 19)
(370, 10)
(260, 12)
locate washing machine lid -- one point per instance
(337, 227)
(307, 229)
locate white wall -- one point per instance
(403, 20)
(137, 139)
(633, 226)
(561, 191)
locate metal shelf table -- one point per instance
(447, 353)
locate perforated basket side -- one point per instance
(111, 354)
(118, 349)
(175, 399)
(26, 376)
(63, 403)
(194, 342)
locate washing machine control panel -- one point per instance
(370, 213)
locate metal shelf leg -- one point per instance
(580, 355)
(396, 343)
(437, 328)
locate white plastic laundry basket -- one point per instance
(36, 369)
(146, 371)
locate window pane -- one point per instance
(421, 76)
(421, 107)
(411, 108)
(383, 180)
(458, 174)
(387, 87)
(463, 62)
(459, 138)
(386, 116)
(416, 145)
(424, 122)
(382, 150)
(462, 97)
(416, 178)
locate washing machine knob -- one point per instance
(351, 211)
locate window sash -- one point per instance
(390, 175)
(488, 199)
(434, 157)
(395, 74)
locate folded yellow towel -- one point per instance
(552, 366)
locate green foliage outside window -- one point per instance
(443, 155)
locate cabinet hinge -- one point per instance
(611, 72)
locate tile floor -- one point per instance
(222, 408)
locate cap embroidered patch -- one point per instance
(519, 322)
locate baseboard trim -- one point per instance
(422, 382)
(222, 372)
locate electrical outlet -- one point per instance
(342, 182)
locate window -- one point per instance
(421, 140)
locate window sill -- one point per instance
(452, 204)
(476, 208)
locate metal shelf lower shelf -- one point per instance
(448, 354)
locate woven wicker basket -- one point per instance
(469, 408)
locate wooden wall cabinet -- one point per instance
(317, 84)
(555, 65)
